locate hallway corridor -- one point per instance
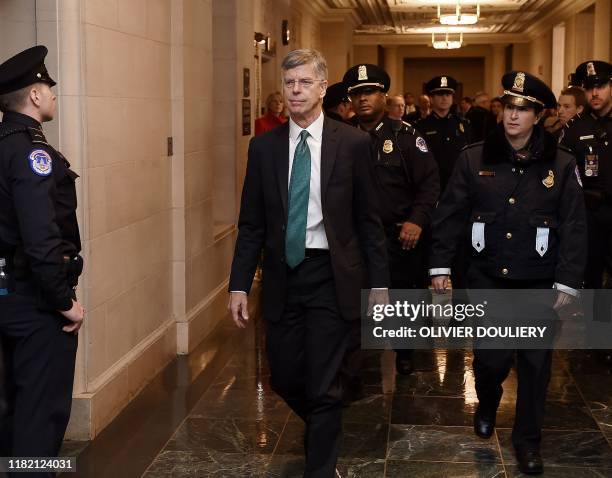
(417, 426)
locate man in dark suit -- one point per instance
(309, 202)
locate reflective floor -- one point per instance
(415, 426)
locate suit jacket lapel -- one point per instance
(329, 145)
(281, 154)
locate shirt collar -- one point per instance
(315, 129)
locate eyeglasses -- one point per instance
(305, 83)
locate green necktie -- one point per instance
(299, 191)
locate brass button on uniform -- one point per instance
(505, 271)
(509, 235)
(511, 200)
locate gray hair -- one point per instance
(306, 56)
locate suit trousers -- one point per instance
(306, 348)
(533, 367)
(38, 363)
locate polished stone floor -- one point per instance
(233, 425)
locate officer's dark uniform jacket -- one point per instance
(39, 233)
(588, 135)
(519, 204)
(446, 136)
(406, 173)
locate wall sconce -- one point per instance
(285, 32)
(263, 40)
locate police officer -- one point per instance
(407, 178)
(40, 243)
(589, 136)
(336, 103)
(516, 189)
(446, 134)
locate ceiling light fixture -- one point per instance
(446, 44)
(459, 18)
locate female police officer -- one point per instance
(521, 195)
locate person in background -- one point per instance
(572, 102)
(336, 103)
(423, 112)
(396, 107)
(274, 114)
(480, 117)
(464, 106)
(409, 100)
(497, 108)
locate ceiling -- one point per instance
(505, 19)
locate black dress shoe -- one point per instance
(404, 364)
(530, 462)
(484, 423)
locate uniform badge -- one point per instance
(388, 146)
(519, 82)
(443, 82)
(549, 181)
(40, 162)
(362, 73)
(421, 144)
(461, 128)
(591, 69)
(578, 176)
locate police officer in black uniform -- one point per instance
(336, 103)
(446, 134)
(515, 190)
(589, 136)
(40, 243)
(407, 178)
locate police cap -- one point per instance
(441, 84)
(594, 73)
(366, 76)
(335, 95)
(523, 89)
(24, 69)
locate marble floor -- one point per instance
(233, 425)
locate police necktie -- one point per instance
(299, 191)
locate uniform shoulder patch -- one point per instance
(40, 162)
(421, 144)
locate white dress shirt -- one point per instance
(315, 231)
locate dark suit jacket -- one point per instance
(354, 231)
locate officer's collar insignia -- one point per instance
(519, 82)
(379, 126)
(591, 69)
(443, 82)
(388, 146)
(486, 173)
(362, 73)
(40, 162)
(461, 128)
(588, 136)
(421, 144)
(549, 181)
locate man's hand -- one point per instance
(74, 315)
(377, 297)
(440, 283)
(238, 306)
(409, 235)
(563, 300)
